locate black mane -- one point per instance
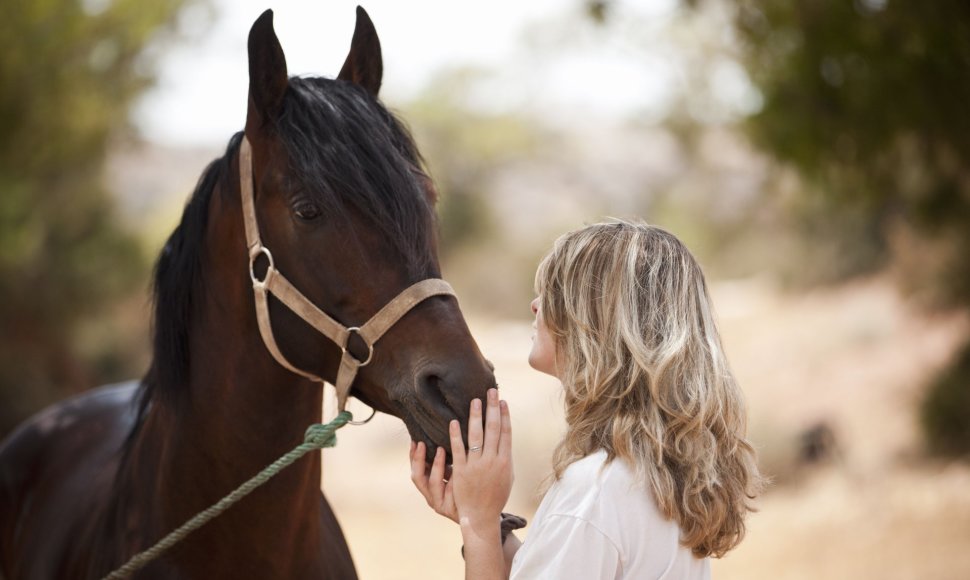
(345, 148)
(350, 151)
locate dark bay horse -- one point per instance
(341, 199)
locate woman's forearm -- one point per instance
(485, 557)
(481, 558)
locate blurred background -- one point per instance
(813, 154)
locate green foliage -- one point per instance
(946, 407)
(868, 99)
(464, 147)
(69, 72)
(467, 146)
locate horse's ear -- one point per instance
(364, 65)
(267, 73)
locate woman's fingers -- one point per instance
(435, 484)
(476, 437)
(417, 469)
(493, 423)
(449, 499)
(505, 445)
(417, 466)
(494, 439)
(436, 481)
(457, 445)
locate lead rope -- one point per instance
(318, 436)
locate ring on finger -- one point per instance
(475, 448)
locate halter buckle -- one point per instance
(370, 347)
(255, 253)
(373, 412)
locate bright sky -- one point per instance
(201, 94)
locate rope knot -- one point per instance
(319, 435)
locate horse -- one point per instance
(340, 196)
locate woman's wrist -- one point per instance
(482, 528)
(485, 532)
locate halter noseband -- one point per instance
(274, 282)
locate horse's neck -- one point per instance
(242, 411)
(238, 418)
(241, 417)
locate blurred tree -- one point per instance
(69, 72)
(945, 411)
(464, 146)
(467, 145)
(868, 100)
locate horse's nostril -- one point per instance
(431, 393)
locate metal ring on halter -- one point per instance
(373, 412)
(370, 347)
(255, 253)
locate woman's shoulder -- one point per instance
(597, 471)
(586, 470)
(605, 498)
(596, 487)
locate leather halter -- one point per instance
(275, 283)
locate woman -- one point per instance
(654, 474)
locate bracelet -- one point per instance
(508, 524)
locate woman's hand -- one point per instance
(437, 491)
(482, 478)
(480, 481)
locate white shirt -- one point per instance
(597, 522)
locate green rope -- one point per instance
(317, 436)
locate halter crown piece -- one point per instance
(275, 283)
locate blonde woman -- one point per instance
(654, 474)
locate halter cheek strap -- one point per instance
(273, 282)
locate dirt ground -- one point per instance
(854, 359)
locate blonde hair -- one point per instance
(645, 377)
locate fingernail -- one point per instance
(477, 405)
(503, 405)
(453, 425)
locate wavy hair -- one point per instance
(645, 377)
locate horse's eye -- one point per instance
(307, 211)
